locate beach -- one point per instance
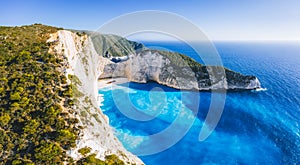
(109, 82)
(103, 83)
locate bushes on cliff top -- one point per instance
(32, 128)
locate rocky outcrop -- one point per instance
(178, 71)
(83, 62)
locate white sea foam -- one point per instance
(259, 89)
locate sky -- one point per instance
(219, 19)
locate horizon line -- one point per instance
(162, 40)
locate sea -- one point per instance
(162, 125)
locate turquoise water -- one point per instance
(255, 127)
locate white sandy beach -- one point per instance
(110, 82)
(103, 83)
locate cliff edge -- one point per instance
(84, 64)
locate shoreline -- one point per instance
(109, 82)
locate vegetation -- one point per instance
(33, 95)
(84, 151)
(114, 46)
(109, 160)
(179, 60)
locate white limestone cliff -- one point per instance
(81, 60)
(185, 74)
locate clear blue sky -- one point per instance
(220, 19)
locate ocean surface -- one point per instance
(256, 127)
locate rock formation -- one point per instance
(178, 71)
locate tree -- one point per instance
(47, 153)
(31, 127)
(24, 55)
(20, 89)
(4, 119)
(67, 138)
(15, 96)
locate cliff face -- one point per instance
(178, 71)
(83, 62)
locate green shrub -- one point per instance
(113, 160)
(84, 151)
(15, 96)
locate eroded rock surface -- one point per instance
(175, 70)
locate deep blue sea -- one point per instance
(256, 127)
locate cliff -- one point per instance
(178, 71)
(83, 62)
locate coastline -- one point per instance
(96, 133)
(108, 82)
